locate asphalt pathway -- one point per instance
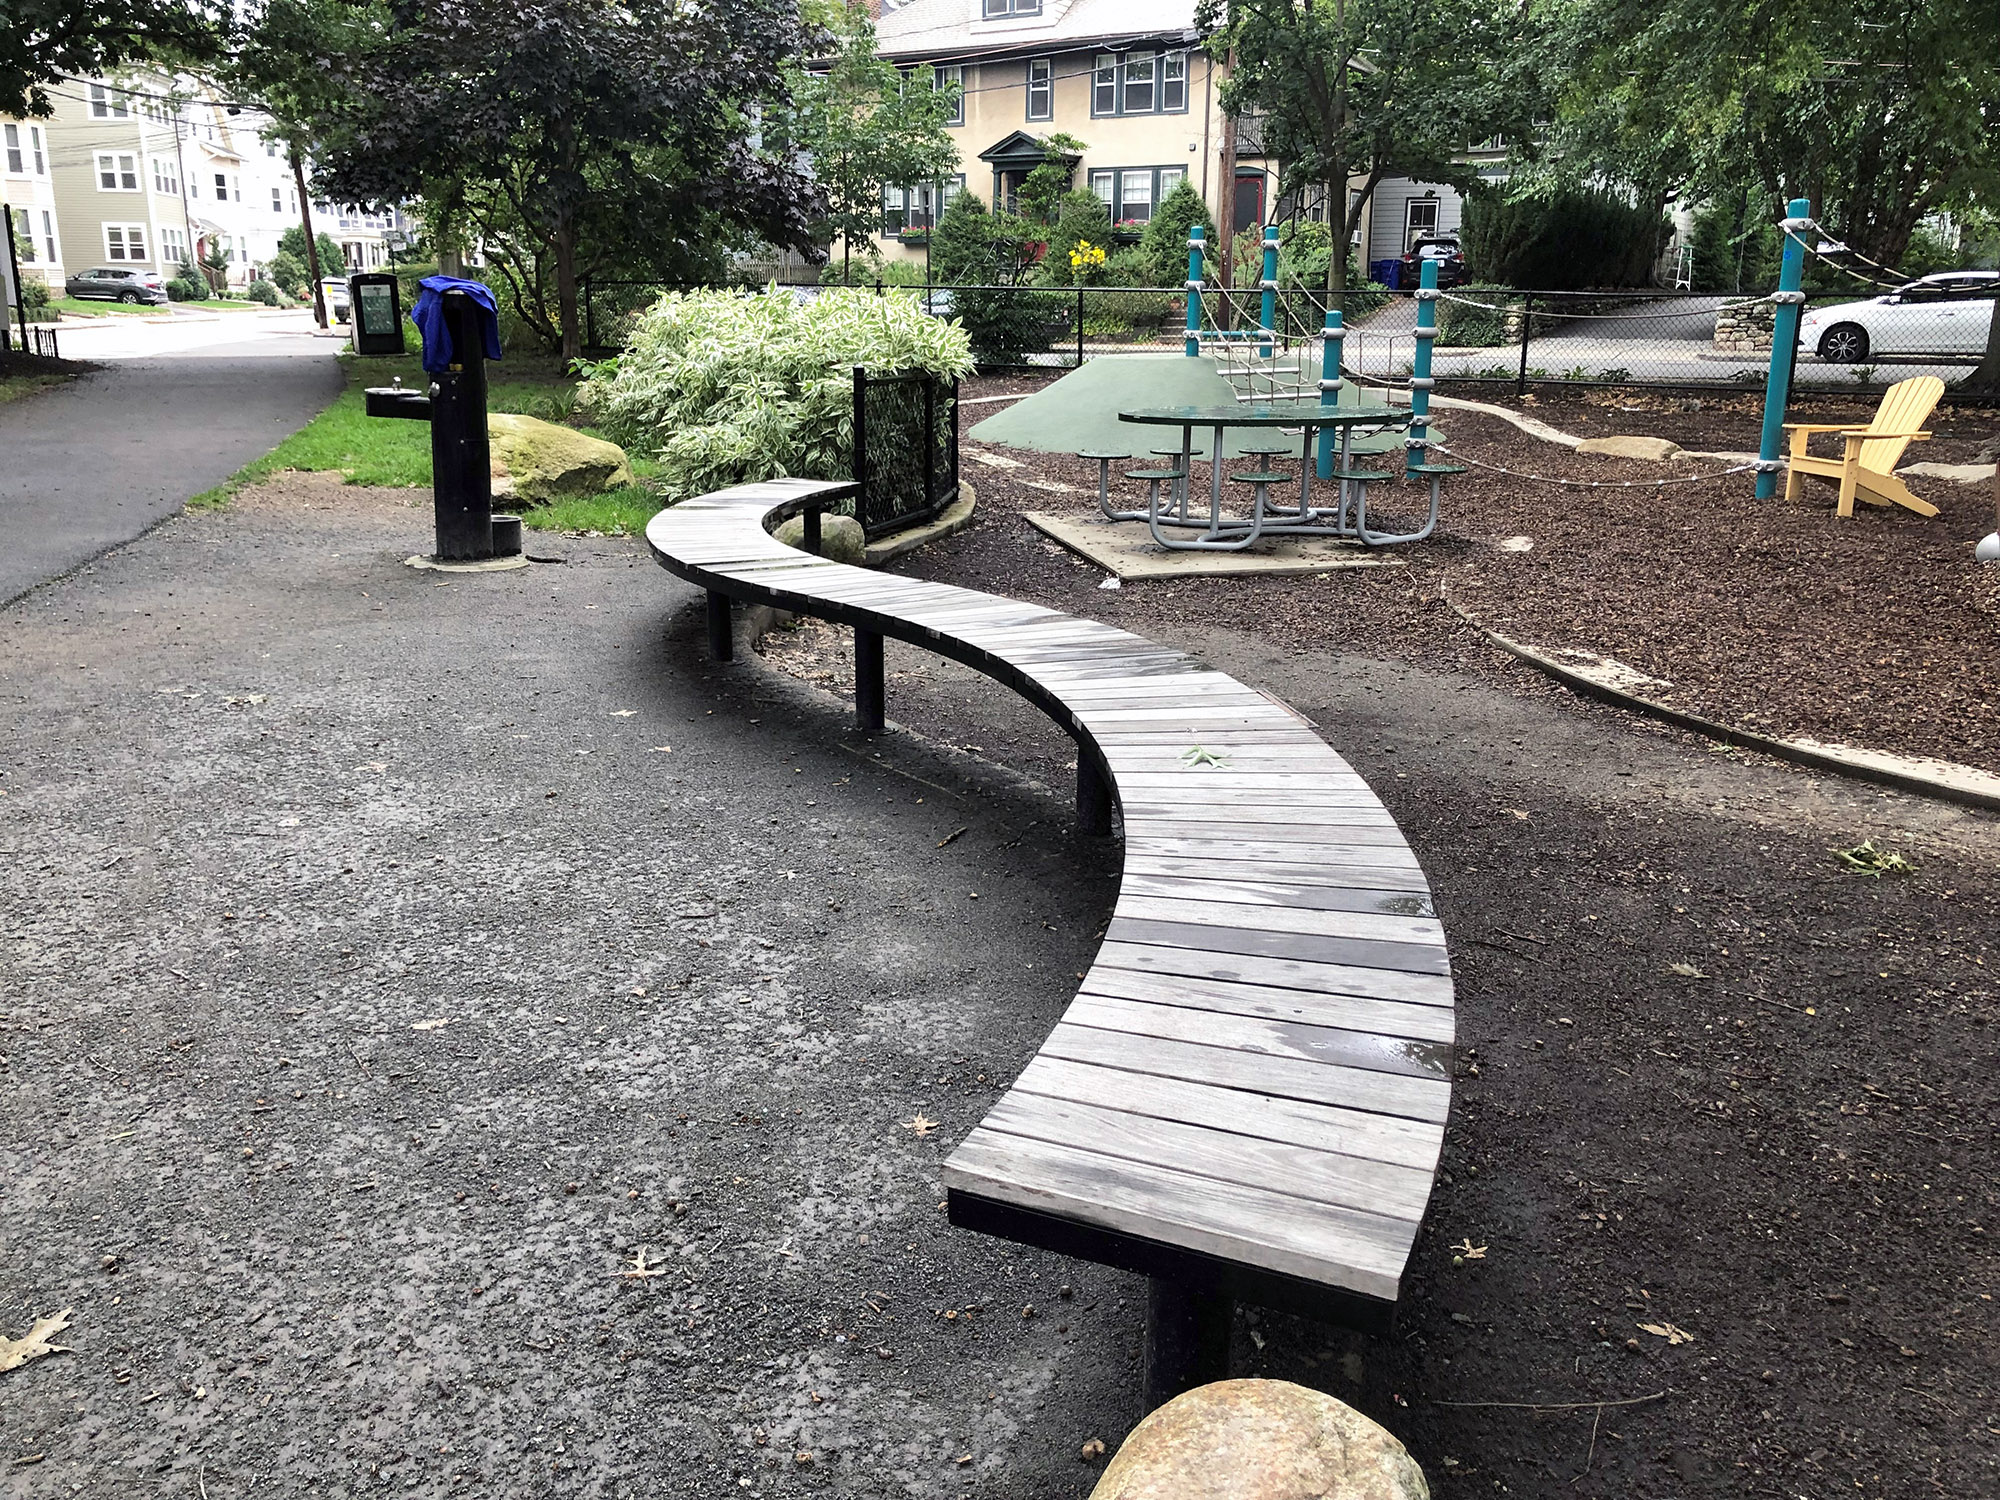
(96, 462)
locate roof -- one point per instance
(943, 29)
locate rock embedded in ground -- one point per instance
(537, 461)
(1653, 449)
(841, 538)
(1260, 1440)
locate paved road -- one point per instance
(179, 406)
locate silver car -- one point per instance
(1949, 313)
(117, 284)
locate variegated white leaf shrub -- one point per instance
(728, 387)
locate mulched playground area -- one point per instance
(1768, 615)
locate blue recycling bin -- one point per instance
(1388, 272)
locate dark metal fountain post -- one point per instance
(461, 462)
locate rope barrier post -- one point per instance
(1267, 317)
(1329, 385)
(1784, 344)
(1194, 292)
(1419, 439)
(1527, 323)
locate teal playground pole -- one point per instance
(1420, 368)
(1194, 292)
(1268, 317)
(1784, 344)
(1329, 386)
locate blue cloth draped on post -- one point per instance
(428, 315)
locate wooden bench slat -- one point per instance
(1339, 1247)
(1254, 1072)
(1393, 1018)
(1301, 1040)
(1334, 922)
(1277, 1166)
(1358, 895)
(1334, 1128)
(1367, 953)
(1282, 973)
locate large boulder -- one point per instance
(841, 538)
(1260, 1440)
(536, 461)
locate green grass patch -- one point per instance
(618, 513)
(389, 451)
(14, 387)
(77, 307)
(224, 304)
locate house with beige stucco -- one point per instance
(1128, 78)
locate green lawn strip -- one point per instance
(14, 387)
(622, 512)
(390, 451)
(227, 304)
(76, 307)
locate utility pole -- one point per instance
(312, 245)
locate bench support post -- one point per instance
(1187, 1338)
(721, 629)
(869, 694)
(1093, 795)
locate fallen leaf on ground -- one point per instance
(1686, 970)
(642, 1268)
(17, 1352)
(1470, 1251)
(1093, 1449)
(1668, 1332)
(435, 1025)
(623, 713)
(1200, 755)
(921, 1124)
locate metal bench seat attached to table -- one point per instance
(1247, 1097)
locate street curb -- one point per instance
(1796, 751)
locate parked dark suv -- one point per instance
(1445, 251)
(115, 284)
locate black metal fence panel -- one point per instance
(905, 448)
(36, 338)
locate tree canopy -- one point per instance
(1368, 89)
(565, 135)
(43, 42)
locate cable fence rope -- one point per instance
(1556, 312)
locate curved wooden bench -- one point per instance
(1248, 1095)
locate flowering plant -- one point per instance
(1086, 259)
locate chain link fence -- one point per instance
(1488, 337)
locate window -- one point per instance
(49, 235)
(166, 176)
(16, 162)
(277, 200)
(953, 78)
(125, 242)
(173, 246)
(1139, 94)
(1104, 85)
(1139, 83)
(1001, 9)
(895, 209)
(271, 148)
(117, 172)
(24, 235)
(106, 104)
(1041, 89)
(221, 187)
(236, 187)
(1420, 220)
(1130, 193)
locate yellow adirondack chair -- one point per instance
(1867, 466)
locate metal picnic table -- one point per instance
(1233, 535)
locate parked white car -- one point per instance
(1949, 313)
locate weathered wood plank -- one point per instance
(1284, 973)
(1333, 1045)
(1339, 922)
(1388, 1018)
(1360, 894)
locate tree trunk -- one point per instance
(572, 339)
(1338, 219)
(312, 244)
(1987, 376)
(1225, 204)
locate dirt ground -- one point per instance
(1776, 616)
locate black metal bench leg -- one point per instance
(869, 693)
(721, 628)
(1093, 795)
(1187, 1339)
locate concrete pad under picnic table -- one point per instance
(1080, 411)
(1127, 549)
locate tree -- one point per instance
(1879, 117)
(1367, 89)
(1040, 196)
(332, 259)
(44, 42)
(576, 133)
(1165, 242)
(866, 127)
